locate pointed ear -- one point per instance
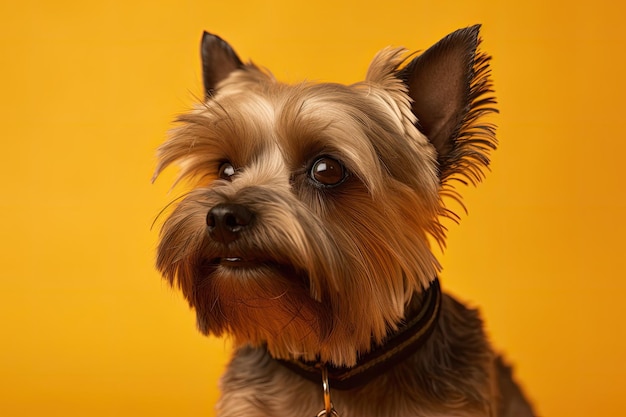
(448, 84)
(218, 61)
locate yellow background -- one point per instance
(88, 90)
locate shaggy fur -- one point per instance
(306, 233)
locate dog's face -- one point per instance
(307, 228)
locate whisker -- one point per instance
(168, 205)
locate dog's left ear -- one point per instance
(218, 61)
(449, 85)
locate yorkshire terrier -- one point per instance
(306, 235)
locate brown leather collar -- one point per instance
(398, 346)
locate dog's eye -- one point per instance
(328, 172)
(226, 171)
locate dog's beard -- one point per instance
(262, 303)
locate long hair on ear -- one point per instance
(452, 92)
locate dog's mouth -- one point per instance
(250, 261)
(239, 262)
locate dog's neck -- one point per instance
(419, 323)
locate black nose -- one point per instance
(226, 221)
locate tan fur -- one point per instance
(336, 270)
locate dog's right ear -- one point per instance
(218, 61)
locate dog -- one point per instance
(307, 230)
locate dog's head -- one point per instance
(307, 227)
